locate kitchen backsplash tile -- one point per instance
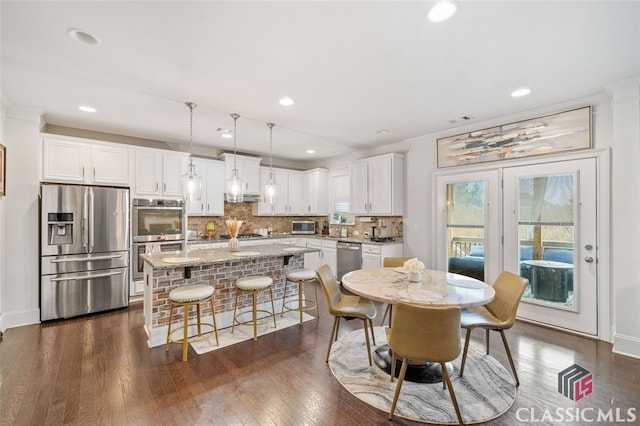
(282, 224)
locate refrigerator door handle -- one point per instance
(91, 219)
(87, 259)
(85, 220)
(87, 277)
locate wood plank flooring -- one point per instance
(98, 370)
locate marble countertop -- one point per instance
(363, 240)
(195, 256)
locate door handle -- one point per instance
(86, 277)
(588, 259)
(87, 259)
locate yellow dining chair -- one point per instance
(423, 333)
(392, 262)
(344, 305)
(498, 315)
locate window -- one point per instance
(341, 206)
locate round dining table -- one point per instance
(435, 288)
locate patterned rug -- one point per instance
(486, 391)
(245, 332)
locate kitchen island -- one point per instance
(220, 268)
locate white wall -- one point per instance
(20, 298)
(625, 227)
(3, 103)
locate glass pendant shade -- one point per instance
(235, 185)
(270, 187)
(235, 188)
(191, 182)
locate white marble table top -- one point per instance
(391, 285)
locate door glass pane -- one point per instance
(465, 228)
(546, 212)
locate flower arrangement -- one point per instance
(414, 265)
(233, 226)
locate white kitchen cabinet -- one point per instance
(326, 256)
(374, 254)
(158, 172)
(315, 192)
(330, 254)
(313, 260)
(83, 161)
(212, 199)
(370, 260)
(248, 168)
(377, 185)
(289, 199)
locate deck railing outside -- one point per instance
(461, 246)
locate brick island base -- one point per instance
(222, 275)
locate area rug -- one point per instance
(242, 333)
(486, 391)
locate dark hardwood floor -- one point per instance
(99, 370)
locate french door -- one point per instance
(538, 221)
(550, 222)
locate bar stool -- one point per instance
(253, 285)
(300, 277)
(185, 297)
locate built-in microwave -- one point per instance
(303, 227)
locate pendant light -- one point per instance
(235, 186)
(191, 182)
(269, 192)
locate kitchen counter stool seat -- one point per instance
(300, 277)
(185, 297)
(254, 285)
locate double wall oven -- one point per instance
(157, 226)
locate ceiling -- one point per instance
(352, 67)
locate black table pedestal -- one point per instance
(419, 373)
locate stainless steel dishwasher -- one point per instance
(349, 257)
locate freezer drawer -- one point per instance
(69, 295)
(83, 262)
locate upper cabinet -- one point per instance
(157, 173)
(377, 185)
(297, 193)
(315, 192)
(212, 200)
(288, 198)
(248, 168)
(78, 161)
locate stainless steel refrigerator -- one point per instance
(84, 249)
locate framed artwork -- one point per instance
(3, 169)
(549, 134)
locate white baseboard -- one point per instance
(626, 345)
(20, 318)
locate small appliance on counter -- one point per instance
(307, 227)
(325, 228)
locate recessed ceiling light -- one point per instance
(311, 151)
(86, 108)
(226, 133)
(286, 101)
(520, 92)
(382, 131)
(83, 37)
(442, 11)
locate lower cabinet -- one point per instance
(326, 256)
(373, 254)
